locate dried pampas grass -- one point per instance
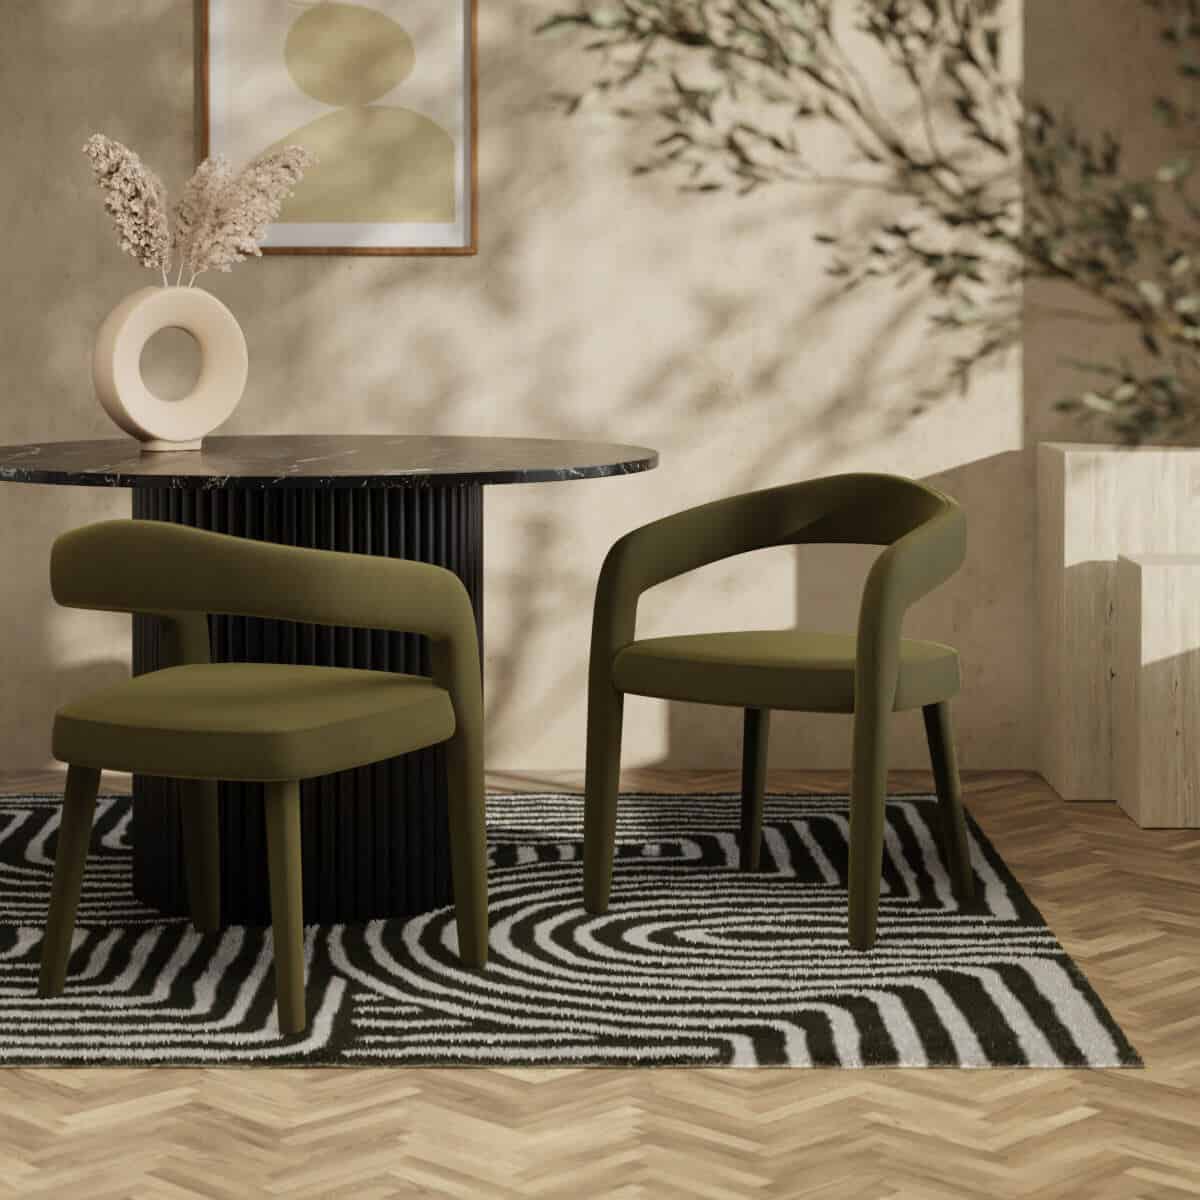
(240, 207)
(136, 200)
(194, 208)
(219, 218)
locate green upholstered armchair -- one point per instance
(868, 675)
(201, 721)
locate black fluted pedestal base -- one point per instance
(375, 839)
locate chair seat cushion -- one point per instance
(252, 721)
(776, 668)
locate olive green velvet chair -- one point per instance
(200, 721)
(869, 675)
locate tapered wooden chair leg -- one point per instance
(940, 733)
(468, 847)
(755, 731)
(601, 786)
(202, 851)
(287, 903)
(74, 834)
(868, 797)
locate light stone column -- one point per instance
(1095, 503)
(1156, 692)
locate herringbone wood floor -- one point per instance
(1125, 902)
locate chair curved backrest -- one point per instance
(868, 509)
(156, 567)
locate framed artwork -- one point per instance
(382, 93)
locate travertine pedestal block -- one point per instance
(1094, 503)
(1156, 691)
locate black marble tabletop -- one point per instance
(369, 460)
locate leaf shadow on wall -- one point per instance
(856, 412)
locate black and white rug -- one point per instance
(696, 963)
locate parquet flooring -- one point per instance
(1125, 902)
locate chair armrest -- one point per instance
(634, 563)
(908, 569)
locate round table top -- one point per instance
(368, 460)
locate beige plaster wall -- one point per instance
(1102, 62)
(600, 306)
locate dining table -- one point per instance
(375, 838)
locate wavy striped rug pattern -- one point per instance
(695, 964)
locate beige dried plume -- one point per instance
(136, 199)
(194, 208)
(233, 212)
(219, 218)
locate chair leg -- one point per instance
(601, 785)
(940, 734)
(868, 796)
(74, 834)
(202, 851)
(755, 730)
(468, 846)
(287, 903)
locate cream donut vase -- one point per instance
(117, 366)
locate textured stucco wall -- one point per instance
(1100, 61)
(600, 306)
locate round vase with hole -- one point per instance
(117, 366)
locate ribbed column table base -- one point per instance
(375, 838)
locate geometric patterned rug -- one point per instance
(695, 964)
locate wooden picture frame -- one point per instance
(214, 20)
